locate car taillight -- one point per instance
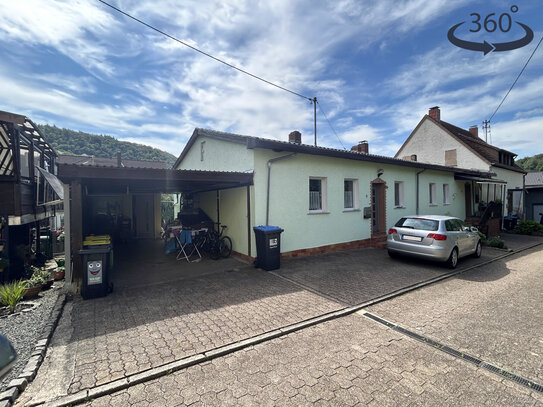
(392, 230)
(437, 236)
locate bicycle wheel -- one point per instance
(225, 247)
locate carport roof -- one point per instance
(150, 180)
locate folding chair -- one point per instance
(184, 239)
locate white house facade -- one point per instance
(438, 142)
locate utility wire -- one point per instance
(202, 52)
(511, 88)
(330, 124)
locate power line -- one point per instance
(330, 124)
(202, 52)
(522, 70)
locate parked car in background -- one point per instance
(7, 356)
(440, 238)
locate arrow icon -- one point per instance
(485, 46)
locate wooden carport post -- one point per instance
(67, 238)
(77, 233)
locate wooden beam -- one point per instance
(76, 236)
(11, 117)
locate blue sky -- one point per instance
(375, 67)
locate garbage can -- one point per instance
(509, 222)
(268, 247)
(97, 260)
(46, 242)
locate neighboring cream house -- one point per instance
(325, 199)
(438, 142)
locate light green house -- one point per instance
(324, 199)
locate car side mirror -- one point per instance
(474, 229)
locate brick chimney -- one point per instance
(119, 160)
(474, 130)
(435, 113)
(361, 147)
(295, 137)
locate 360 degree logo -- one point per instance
(490, 24)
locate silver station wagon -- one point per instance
(441, 238)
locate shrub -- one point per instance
(482, 236)
(11, 294)
(496, 242)
(44, 274)
(527, 227)
(35, 281)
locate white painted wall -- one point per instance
(514, 181)
(430, 142)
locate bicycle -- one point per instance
(214, 243)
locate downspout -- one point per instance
(523, 197)
(418, 173)
(270, 162)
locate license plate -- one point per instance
(412, 238)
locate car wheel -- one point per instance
(453, 259)
(478, 250)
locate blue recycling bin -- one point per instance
(268, 247)
(509, 222)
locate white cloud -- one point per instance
(521, 136)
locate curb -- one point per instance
(18, 385)
(163, 370)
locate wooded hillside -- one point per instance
(531, 164)
(66, 141)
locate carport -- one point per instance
(82, 183)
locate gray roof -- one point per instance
(108, 162)
(257, 142)
(534, 179)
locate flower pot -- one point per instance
(31, 292)
(59, 275)
(47, 284)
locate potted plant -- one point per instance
(46, 276)
(59, 273)
(33, 286)
(11, 294)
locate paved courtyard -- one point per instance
(346, 362)
(358, 276)
(132, 330)
(144, 325)
(494, 313)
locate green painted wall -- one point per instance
(289, 197)
(289, 194)
(218, 155)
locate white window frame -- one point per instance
(324, 195)
(356, 205)
(399, 197)
(446, 194)
(432, 194)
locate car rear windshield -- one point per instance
(418, 223)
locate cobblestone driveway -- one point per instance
(127, 332)
(358, 276)
(494, 313)
(345, 362)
